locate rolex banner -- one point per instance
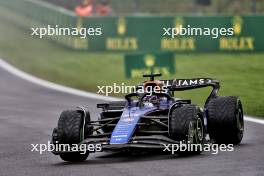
(146, 63)
(144, 34)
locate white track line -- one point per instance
(13, 70)
(253, 119)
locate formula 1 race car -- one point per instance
(148, 120)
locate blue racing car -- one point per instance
(150, 120)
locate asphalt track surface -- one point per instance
(29, 112)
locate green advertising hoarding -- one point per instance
(144, 33)
(146, 63)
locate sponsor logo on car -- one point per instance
(128, 119)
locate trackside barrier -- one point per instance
(143, 33)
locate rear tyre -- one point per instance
(225, 120)
(70, 131)
(186, 125)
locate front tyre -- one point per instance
(225, 120)
(74, 157)
(70, 131)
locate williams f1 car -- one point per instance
(147, 121)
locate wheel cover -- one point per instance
(195, 132)
(240, 122)
(191, 132)
(200, 133)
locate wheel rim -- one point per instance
(191, 132)
(240, 122)
(195, 132)
(200, 133)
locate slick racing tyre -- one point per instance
(70, 131)
(186, 125)
(225, 120)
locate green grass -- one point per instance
(240, 74)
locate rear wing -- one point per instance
(187, 84)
